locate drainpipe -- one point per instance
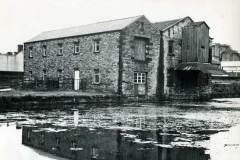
(120, 64)
(160, 74)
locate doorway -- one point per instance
(76, 80)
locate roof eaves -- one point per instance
(27, 42)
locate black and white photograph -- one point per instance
(119, 80)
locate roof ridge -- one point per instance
(92, 23)
(171, 20)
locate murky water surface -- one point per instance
(210, 129)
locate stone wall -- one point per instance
(225, 86)
(130, 65)
(85, 61)
(172, 60)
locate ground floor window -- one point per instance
(96, 77)
(139, 77)
(44, 75)
(170, 77)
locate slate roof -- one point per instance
(198, 23)
(106, 26)
(163, 25)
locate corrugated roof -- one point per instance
(99, 27)
(203, 67)
(166, 24)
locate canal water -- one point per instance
(210, 130)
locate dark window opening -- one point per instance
(96, 78)
(142, 26)
(44, 74)
(170, 77)
(96, 46)
(170, 47)
(28, 136)
(42, 139)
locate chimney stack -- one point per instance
(20, 48)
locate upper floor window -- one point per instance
(139, 78)
(170, 47)
(60, 49)
(142, 26)
(30, 52)
(76, 48)
(96, 45)
(44, 50)
(96, 78)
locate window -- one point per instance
(30, 52)
(60, 49)
(170, 46)
(96, 76)
(44, 75)
(142, 26)
(28, 135)
(44, 50)
(147, 49)
(73, 144)
(42, 139)
(97, 46)
(170, 77)
(59, 75)
(168, 32)
(140, 49)
(95, 152)
(139, 78)
(76, 48)
(30, 75)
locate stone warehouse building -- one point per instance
(130, 56)
(117, 56)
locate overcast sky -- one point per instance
(20, 20)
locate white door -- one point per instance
(76, 80)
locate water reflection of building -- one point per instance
(105, 144)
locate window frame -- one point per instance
(30, 52)
(140, 77)
(44, 51)
(76, 45)
(96, 46)
(96, 72)
(60, 49)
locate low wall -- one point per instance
(225, 87)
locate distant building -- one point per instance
(225, 57)
(11, 67)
